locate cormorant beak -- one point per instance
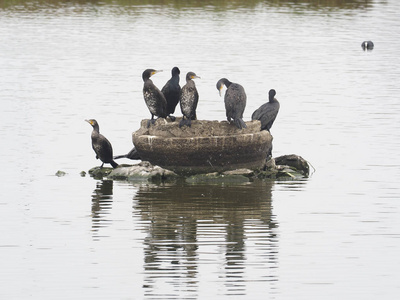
(89, 121)
(155, 72)
(220, 90)
(195, 76)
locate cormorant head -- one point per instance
(221, 83)
(272, 94)
(191, 75)
(94, 123)
(175, 71)
(148, 73)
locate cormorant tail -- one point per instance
(133, 154)
(240, 123)
(114, 164)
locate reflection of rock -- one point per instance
(206, 146)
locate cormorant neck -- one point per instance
(96, 128)
(226, 82)
(147, 80)
(175, 78)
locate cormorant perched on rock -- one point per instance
(267, 112)
(367, 45)
(133, 154)
(172, 92)
(153, 97)
(101, 146)
(189, 99)
(235, 101)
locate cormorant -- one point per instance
(189, 99)
(133, 154)
(172, 92)
(235, 101)
(153, 97)
(101, 146)
(367, 45)
(267, 112)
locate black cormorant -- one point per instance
(367, 45)
(267, 112)
(189, 99)
(133, 154)
(235, 101)
(153, 97)
(101, 146)
(172, 92)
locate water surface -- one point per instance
(333, 235)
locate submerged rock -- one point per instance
(294, 161)
(99, 173)
(60, 173)
(145, 171)
(205, 147)
(141, 171)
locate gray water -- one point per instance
(333, 235)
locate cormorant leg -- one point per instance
(182, 122)
(151, 121)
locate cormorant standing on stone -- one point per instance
(101, 146)
(133, 154)
(172, 92)
(367, 45)
(267, 112)
(189, 99)
(235, 101)
(153, 97)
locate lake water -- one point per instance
(334, 235)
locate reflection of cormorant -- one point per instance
(182, 222)
(267, 112)
(189, 100)
(153, 97)
(172, 92)
(133, 154)
(101, 146)
(367, 45)
(101, 203)
(235, 101)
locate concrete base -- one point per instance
(205, 147)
